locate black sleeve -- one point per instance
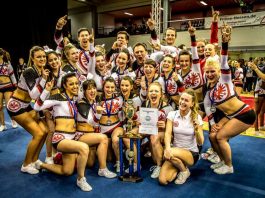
(109, 54)
(30, 76)
(83, 109)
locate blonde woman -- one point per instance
(186, 126)
(31, 85)
(221, 95)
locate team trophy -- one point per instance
(132, 176)
(129, 113)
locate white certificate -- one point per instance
(148, 120)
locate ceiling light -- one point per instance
(203, 3)
(127, 13)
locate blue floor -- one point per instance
(247, 181)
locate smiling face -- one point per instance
(212, 71)
(184, 62)
(126, 87)
(185, 102)
(122, 60)
(72, 55)
(149, 71)
(71, 86)
(91, 93)
(54, 61)
(39, 58)
(209, 50)
(167, 64)
(100, 63)
(170, 37)
(200, 48)
(109, 89)
(154, 94)
(83, 38)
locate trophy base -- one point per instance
(130, 178)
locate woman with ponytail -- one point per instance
(186, 126)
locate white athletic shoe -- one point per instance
(106, 173)
(38, 164)
(29, 169)
(214, 158)
(224, 170)
(182, 177)
(156, 171)
(3, 128)
(49, 160)
(82, 183)
(14, 124)
(117, 165)
(218, 165)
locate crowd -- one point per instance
(81, 94)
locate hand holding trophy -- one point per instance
(226, 32)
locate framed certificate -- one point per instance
(148, 120)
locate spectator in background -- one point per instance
(8, 84)
(248, 79)
(21, 66)
(238, 74)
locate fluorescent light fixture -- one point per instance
(127, 13)
(203, 3)
(161, 9)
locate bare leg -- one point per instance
(7, 96)
(66, 169)
(215, 144)
(91, 156)
(157, 147)
(115, 141)
(102, 140)
(72, 146)
(29, 124)
(167, 173)
(226, 132)
(51, 127)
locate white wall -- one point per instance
(121, 4)
(80, 20)
(242, 37)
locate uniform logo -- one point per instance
(14, 106)
(192, 80)
(57, 138)
(220, 93)
(175, 123)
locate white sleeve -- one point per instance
(171, 115)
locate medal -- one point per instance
(73, 109)
(108, 110)
(213, 109)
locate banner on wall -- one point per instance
(254, 18)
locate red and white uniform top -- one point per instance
(223, 89)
